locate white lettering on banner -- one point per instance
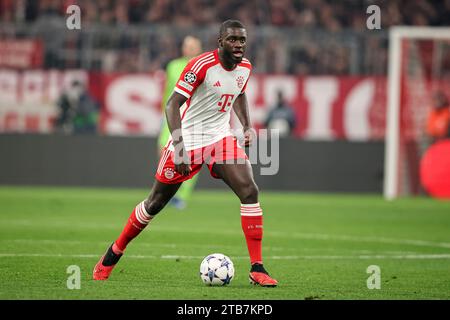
(269, 87)
(33, 86)
(356, 111)
(286, 84)
(8, 83)
(20, 53)
(132, 102)
(8, 97)
(320, 92)
(54, 77)
(133, 99)
(28, 99)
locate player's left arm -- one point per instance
(240, 107)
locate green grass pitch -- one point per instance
(317, 246)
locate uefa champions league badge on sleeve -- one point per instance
(190, 77)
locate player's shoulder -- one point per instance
(201, 63)
(202, 58)
(245, 63)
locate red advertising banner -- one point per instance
(326, 108)
(131, 103)
(21, 54)
(28, 99)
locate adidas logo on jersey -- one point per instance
(217, 84)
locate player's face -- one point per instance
(234, 42)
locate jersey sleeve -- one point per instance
(190, 79)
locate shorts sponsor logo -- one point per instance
(185, 85)
(190, 77)
(169, 173)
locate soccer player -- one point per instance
(191, 48)
(198, 115)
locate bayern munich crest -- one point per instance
(240, 82)
(169, 173)
(190, 77)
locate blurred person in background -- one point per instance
(281, 117)
(191, 48)
(438, 121)
(78, 111)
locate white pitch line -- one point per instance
(325, 237)
(297, 257)
(77, 242)
(178, 246)
(299, 235)
(310, 236)
(318, 236)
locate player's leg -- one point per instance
(184, 193)
(239, 177)
(141, 216)
(144, 212)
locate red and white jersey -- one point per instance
(211, 91)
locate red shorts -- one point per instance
(226, 150)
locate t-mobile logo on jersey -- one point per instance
(225, 101)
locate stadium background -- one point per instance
(330, 67)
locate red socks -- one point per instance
(252, 225)
(251, 221)
(136, 223)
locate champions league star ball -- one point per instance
(216, 270)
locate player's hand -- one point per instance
(183, 169)
(249, 136)
(181, 160)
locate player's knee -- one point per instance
(249, 193)
(154, 206)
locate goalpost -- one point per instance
(417, 67)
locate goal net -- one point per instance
(418, 72)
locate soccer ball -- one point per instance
(216, 270)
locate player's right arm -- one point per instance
(173, 117)
(189, 80)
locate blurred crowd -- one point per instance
(305, 36)
(327, 14)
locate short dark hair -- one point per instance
(230, 24)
